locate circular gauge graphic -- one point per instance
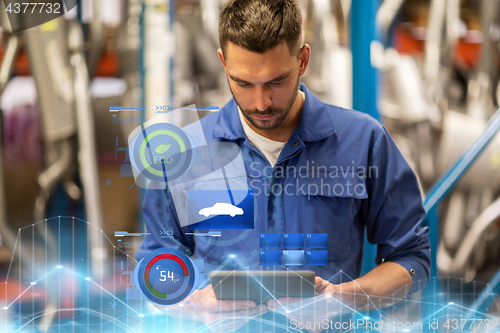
(162, 152)
(166, 276)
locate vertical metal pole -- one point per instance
(364, 79)
(171, 30)
(157, 59)
(142, 190)
(158, 54)
(432, 219)
(7, 236)
(364, 75)
(87, 155)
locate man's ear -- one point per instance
(221, 58)
(304, 57)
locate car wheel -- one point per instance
(206, 215)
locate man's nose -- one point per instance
(262, 99)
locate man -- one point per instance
(348, 176)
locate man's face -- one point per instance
(272, 117)
(264, 86)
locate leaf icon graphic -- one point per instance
(162, 148)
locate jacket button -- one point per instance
(412, 271)
(296, 143)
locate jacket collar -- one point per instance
(315, 124)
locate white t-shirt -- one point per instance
(270, 148)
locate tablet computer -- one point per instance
(261, 286)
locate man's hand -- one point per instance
(385, 285)
(313, 312)
(218, 316)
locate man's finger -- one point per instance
(320, 284)
(236, 305)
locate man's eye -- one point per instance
(275, 84)
(243, 85)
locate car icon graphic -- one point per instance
(221, 208)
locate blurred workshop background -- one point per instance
(427, 69)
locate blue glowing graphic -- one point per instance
(214, 210)
(293, 241)
(161, 152)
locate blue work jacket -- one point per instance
(340, 173)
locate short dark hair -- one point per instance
(260, 25)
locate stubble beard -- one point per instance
(281, 113)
